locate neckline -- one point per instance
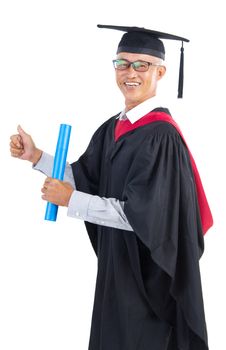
(157, 115)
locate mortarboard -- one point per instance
(146, 41)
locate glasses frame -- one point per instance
(133, 64)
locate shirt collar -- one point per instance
(140, 110)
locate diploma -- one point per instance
(59, 165)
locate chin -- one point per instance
(132, 96)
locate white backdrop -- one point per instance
(47, 270)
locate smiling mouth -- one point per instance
(131, 84)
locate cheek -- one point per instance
(151, 81)
(117, 79)
(120, 81)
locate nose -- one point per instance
(131, 73)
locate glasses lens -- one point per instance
(121, 64)
(141, 66)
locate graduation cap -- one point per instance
(146, 41)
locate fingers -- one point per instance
(47, 182)
(50, 190)
(17, 153)
(16, 143)
(22, 146)
(16, 146)
(44, 189)
(17, 140)
(56, 191)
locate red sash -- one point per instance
(125, 126)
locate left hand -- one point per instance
(57, 192)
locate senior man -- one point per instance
(139, 192)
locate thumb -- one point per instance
(21, 131)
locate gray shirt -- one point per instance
(94, 209)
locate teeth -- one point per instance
(132, 84)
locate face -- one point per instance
(138, 86)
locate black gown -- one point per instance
(148, 289)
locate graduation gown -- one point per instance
(148, 290)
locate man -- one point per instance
(139, 192)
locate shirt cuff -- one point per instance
(78, 205)
(45, 164)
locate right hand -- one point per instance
(23, 147)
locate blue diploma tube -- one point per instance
(59, 166)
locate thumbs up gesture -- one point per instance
(23, 147)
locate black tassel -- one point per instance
(181, 73)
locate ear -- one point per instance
(161, 72)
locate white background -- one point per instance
(55, 67)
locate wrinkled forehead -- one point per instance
(138, 57)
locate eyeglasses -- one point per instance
(139, 66)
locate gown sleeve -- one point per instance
(86, 172)
(161, 206)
